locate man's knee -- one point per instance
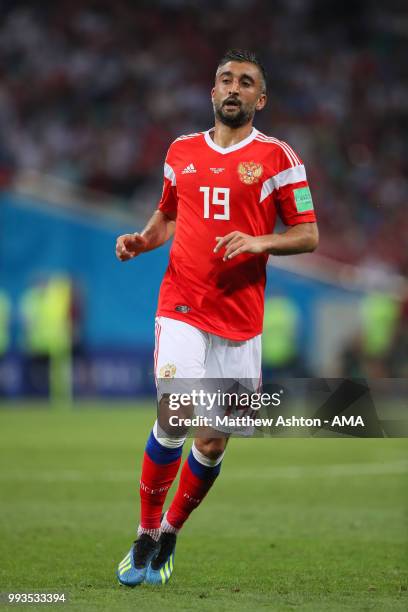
(211, 447)
(165, 414)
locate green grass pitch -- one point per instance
(291, 524)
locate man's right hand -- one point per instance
(130, 245)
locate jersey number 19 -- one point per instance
(220, 197)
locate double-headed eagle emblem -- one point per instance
(249, 172)
(167, 371)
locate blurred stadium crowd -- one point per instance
(94, 92)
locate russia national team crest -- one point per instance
(167, 371)
(250, 172)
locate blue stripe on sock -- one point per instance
(161, 454)
(203, 471)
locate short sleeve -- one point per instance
(293, 198)
(168, 200)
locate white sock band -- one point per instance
(160, 436)
(198, 456)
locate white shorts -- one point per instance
(185, 355)
(184, 351)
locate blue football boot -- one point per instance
(162, 564)
(132, 569)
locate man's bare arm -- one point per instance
(301, 238)
(158, 230)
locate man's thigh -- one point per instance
(179, 364)
(234, 369)
(180, 350)
(233, 359)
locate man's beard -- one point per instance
(244, 116)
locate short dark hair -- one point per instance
(242, 55)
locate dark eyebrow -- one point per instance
(243, 76)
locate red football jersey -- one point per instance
(213, 191)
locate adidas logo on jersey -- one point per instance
(189, 169)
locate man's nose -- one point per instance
(234, 87)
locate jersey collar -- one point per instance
(235, 147)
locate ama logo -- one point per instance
(344, 421)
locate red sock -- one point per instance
(160, 467)
(191, 490)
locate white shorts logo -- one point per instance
(167, 371)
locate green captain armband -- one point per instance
(303, 199)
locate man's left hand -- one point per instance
(236, 243)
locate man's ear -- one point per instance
(261, 102)
(212, 92)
